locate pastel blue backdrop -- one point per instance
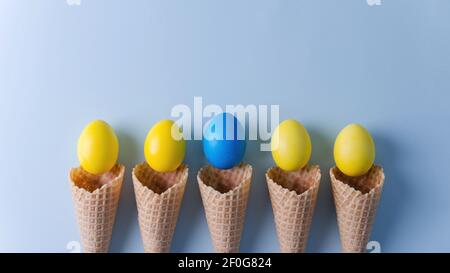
(326, 63)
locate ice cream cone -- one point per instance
(356, 200)
(158, 198)
(225, 194)
(96, 198)
(293, 196)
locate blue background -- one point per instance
(326, 63)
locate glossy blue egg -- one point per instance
(224, 141)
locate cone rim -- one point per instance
(104, 186)
(168, 190)
(360, 193)
(315, 185)
(248, 175)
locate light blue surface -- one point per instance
(326, 63)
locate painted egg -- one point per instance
(98, 147)
(291, 145)
(224, 141)
(354, 150)
(165, 147)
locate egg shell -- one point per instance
(291, 145)
(98, 147)
(354, 150)
(165, 147)
(224, 141)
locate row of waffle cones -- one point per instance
(224, 194)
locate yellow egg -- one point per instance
(291, 145)
(98, 147)
(354, 150)
(164, 146)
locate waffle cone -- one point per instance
(293, 196)
(96, 198)
(225, 194)
(158, 198)
(356, 200)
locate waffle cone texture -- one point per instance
(293, 196)
(356, 200)
(158, 197)
(96, 198)
(225, 194)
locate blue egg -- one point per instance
(224, 141)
